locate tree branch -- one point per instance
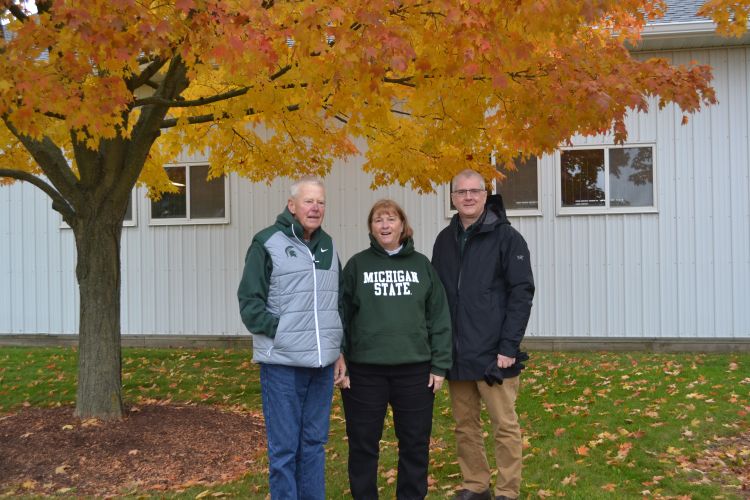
(281, 72)
(43, 6)
(51, 160)
(18, 101)
(58, 202)
(148, 126)
(86, 160)
(406, 81)
(58, 116)
(403, 113)
(16, 10)
(112, 157)
(201, 101)
(193, 120)
(525, 74)
(145, 76)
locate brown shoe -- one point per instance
(470, 495)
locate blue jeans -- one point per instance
(296, 408)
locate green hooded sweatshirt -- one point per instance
(395, 309)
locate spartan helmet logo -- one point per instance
(290, 251)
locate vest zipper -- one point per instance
(315, 297)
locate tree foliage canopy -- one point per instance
(98, 95)
(279, 88)
(731, 16)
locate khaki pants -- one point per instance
(500, 401)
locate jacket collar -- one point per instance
(493, 215)
(292, 228)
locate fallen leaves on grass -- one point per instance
(725, 460)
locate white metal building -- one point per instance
(647, 240)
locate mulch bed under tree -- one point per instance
(155, 447)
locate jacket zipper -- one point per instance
(458, 292)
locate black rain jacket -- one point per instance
(490, 290)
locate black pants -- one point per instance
(373, 387)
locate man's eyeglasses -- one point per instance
(463, 193)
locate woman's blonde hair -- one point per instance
(391, 206)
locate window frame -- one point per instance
(510, 212)
(188, 221)
(606, 209)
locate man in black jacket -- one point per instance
(485, 267)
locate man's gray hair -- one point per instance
(308, 179)
(467, 174)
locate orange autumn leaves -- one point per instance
(421, 89)
(730, 15)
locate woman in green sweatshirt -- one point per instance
(398, 348)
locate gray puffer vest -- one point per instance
(305, 299)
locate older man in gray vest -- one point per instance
(289, 301)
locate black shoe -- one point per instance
(503, 497)
(470, 495)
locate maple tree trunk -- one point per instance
(99, 350)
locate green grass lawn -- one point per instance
(596, 425)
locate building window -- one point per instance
(519, 189)
(610, 179)
(197, 201)
(130, 218)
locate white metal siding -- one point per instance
(681, 272)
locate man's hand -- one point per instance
(339, 373)
(505, 361)
(436, 382)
